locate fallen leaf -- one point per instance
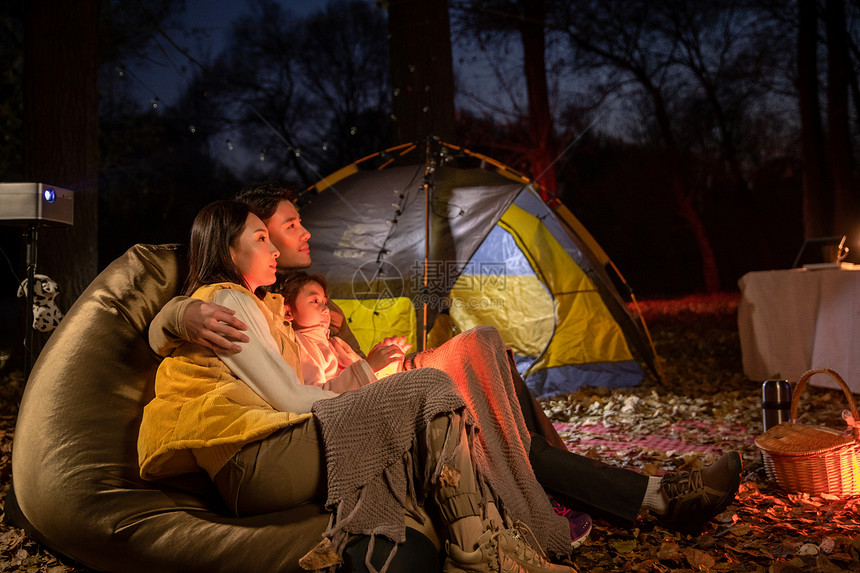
(698, 560)
(623, 545)
(669, 551)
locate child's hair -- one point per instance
(296, 281)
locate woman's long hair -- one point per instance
(216, 228)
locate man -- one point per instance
(683, 501)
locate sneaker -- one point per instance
(580, 523)
(512, 543)
(695, 497)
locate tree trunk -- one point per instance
(839, 153)
(816, 219)
(544, 149)
(60, 137)
(422, 72)
(710, 271)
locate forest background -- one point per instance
(697, 141)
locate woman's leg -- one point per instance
(478, 538)
(280, 471)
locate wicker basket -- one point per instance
(810, 459)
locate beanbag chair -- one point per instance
(77, 487)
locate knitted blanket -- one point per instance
(477, 360)
(371, 451)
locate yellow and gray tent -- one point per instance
(444, 237)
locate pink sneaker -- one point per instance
(580, 523)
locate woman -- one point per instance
(263, 436)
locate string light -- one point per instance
(156, 104)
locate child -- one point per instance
(328, 360)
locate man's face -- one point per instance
(288, 235)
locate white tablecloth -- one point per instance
(793, 320)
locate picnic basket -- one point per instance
(812, 459)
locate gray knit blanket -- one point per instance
(371, 450)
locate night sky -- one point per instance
(168, 73)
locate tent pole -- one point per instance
(426, 284)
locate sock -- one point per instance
(654, 500)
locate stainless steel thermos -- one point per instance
(775, 402)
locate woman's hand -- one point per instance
(389, 351)
(214, 326)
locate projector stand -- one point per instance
(32, 255)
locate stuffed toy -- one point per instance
(46, 314)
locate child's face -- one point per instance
(310, 308)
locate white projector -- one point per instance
(36, 203)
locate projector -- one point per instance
(36, 204)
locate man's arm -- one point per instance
(340, 327)
(206, 323)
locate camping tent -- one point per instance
(422, 240)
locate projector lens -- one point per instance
(50, 195)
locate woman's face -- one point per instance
(310, 308)
(254, 254)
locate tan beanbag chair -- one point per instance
(74, 464)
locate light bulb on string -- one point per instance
(353, 130)
(154, 102)
(325, 146)
(120, 71)
(262, 155)
(192, 128)
(229, 145)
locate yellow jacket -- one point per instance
(202, 413)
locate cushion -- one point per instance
(74, 465)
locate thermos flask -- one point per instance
(775, 402)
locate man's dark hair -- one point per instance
(263, 199)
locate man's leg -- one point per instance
(618, 493)
(611, 493)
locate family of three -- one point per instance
(264, 388)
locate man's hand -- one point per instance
(389, 351)
(214, 326)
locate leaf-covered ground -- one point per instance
(705, 407)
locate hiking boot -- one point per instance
(501, 551)
(695, 497)
(485, 559)
(580, 523)
(512, 543)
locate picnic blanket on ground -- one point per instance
(369, 436)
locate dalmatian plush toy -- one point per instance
(46, 314)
